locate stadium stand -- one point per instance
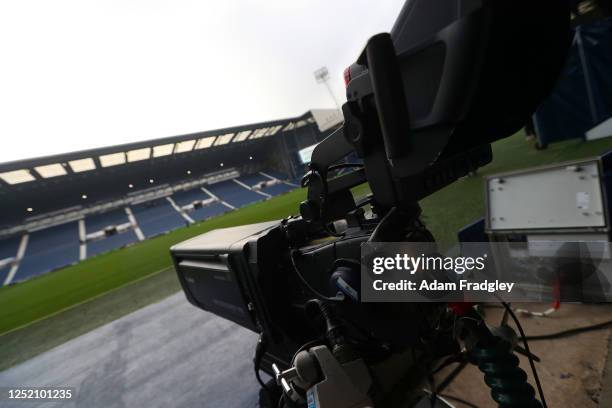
(49, 249)
(157, 217)
(111, 242)
(8, 251)
(8, 248)
(277, 189)
(234, 194)
(57, 210)
(209, 211)
(4, 271)
(57, 246)
(253, 179)
(275, 174)
(187, 197)
(98, 222)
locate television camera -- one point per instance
(424, 102)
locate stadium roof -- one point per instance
(25, 171)
(35, 188)
(53, 167)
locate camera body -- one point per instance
(245, 274)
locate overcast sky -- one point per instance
(78, 74)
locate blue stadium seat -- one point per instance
(187, 197)
(234, 194)
(49, 249)
(277, 189)
(98, 222)
(277, 174)
(8, 247)
(252, 179)
(157, 217)
(284, 177)
(209, 211)
(3, 272)
(111, 242)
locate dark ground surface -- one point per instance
(24, 343)
(170, 354)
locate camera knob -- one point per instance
(309, 210)
(307, 368)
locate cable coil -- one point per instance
(508, 382)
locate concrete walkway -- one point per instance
(168, 354)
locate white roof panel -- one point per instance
(17, 176)
(163, 150)
(205, 142)
(139, 154)
(241, 136)
(81, 165)
(113, 159)
(224, 139)
(258, 133)
(185, 146)
(51, 170)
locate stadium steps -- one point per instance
(243, 185)
(234, 194)
(183, 198)
(157, 217)
(211, 194)
(252, 179)
(99, 222)
(276, 175)
(180, 210)
(273, 174)
(11, 251)
(137, 230)
(82, 240)
(282, 186)
(49, 249)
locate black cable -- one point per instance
(260, 381)
(305, 346)
(529, 355)
(451, 376)
(281, 401)
(457, 358)
(259, 352)
(565, 333)
(570, 332)
(305, 283)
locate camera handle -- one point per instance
(327, 383)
